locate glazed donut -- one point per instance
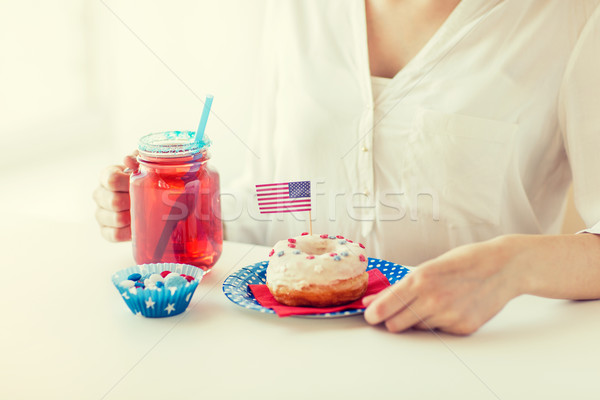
(317, 270)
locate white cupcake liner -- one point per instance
(160, 302)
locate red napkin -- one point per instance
(377, 282)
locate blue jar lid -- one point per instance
(172, 144)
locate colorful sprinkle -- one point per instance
(333, 254)
(343, 242)
(149, 285)
(165, 273)
(135, 277)
(127, 284)
(188, 278)
(297, 251)
(324, 236)
(310, 257)
(280, 253)
(139, 284)
(349, 241)
(344, 253)
(362, 246)
(175, 281)
(292, 245)
(159, 284)
(331, 237)
(339, 237)
(151, 281)
(271, 252)
(337, 258)
(304, 234)
(361, 257)
(292, 240)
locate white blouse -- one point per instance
(478, 136)
(378, 85)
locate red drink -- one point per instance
(175, 204)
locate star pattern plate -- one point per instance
(236, 287)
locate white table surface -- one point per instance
(66, 333)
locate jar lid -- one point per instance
(172, 144)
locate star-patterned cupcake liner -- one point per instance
(158, 302)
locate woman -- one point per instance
(443, 134)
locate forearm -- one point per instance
(557, 266)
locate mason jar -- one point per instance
(175, 202)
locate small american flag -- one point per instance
(283, 197)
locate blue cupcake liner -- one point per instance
(162, 302)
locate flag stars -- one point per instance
(299, 189)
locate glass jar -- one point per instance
(175, 202)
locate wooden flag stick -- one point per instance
(309, 222)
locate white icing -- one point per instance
(297, 271)
(302, 284)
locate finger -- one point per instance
(368, 299)
(113, 219)
(130, 160)
(410, 316)
(114, 179)
(112, 201)
(116, 234)
(388, 302)
(425, 325)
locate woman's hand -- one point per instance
(460, 290)
(456, 292)
(112, 199)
